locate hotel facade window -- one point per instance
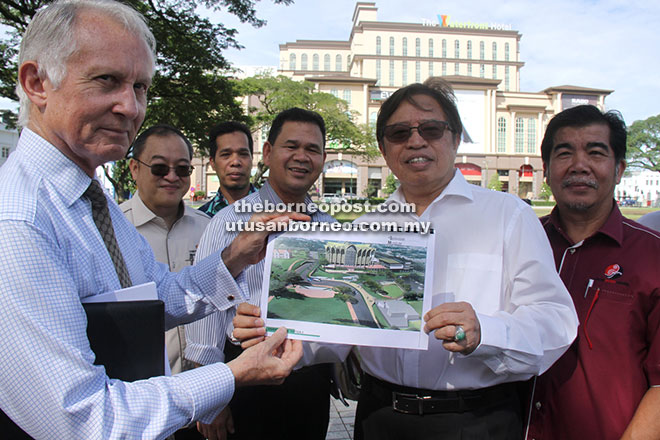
(520, 135)
(469, 69)
(378, 48)
(469, 50)
(404, 73)
(315, 62)
(292, 61)
(494, 50)
(457, 49)
(444, 68)
(494, 71)
(303, 61)
(506, 78)
(457, 68)
(404, 46)
(431, 47)
(482, 71)
(347, 95)
(430, 68)
(418, 71)
(391, 45)
(444, 48)
(334, 92)
(482, 50)
(506, 51)
(378, 72)
(348, 63)
(392, 73)
(501, 135)
(531, 135)
(326, 62)
(338, 63)
(418, 47)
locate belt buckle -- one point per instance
(396, 402)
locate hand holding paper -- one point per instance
(444, 319)
(267, 363)
(248, 326)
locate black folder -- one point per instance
(128, 339)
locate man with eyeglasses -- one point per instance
(160, 166)
(501, 314)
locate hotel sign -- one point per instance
(445, 21)
(379, 95)
(569, 101)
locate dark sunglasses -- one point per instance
(430, 130)
(162, 170)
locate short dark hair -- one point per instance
(158, 130)
(581, 116)
(294, 114)
(444, 96)
(226, 128)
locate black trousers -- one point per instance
(297, 409)
(377, 420)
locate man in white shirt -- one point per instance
(160, 166)
(504, 314)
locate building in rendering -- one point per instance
(349, 254)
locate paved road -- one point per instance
(361, 309)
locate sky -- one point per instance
(611, 44)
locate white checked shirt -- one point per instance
(51, 256)
(205, 339)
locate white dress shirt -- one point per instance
(491, 252)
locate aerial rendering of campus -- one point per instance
(349, 283)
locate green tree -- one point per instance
(391, 184)
(546, 191)
(276, 93)
(495, 183)
(644, 144)
(190, 88)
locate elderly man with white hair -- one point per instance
(85, 68)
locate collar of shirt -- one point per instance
(218, 202)
(458, 187)
(51, 164)
(613, 226)
(142, 214)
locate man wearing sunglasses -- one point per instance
(160, 166)
(501, 313)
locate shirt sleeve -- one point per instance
(48, 383)
(538, 322)
(206, 338)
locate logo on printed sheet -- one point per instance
(613, 271)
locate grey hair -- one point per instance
(50, 39)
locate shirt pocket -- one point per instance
(476, 279)
(611, 291)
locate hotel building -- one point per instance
(503, 126)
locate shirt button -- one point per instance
(230, 297)
(537, 405)
(572, 251)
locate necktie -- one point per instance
(103, 222)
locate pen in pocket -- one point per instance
(589, 284)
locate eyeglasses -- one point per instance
(429, 130)
(162, 170)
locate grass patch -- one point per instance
(393, 290)
(324, 310)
